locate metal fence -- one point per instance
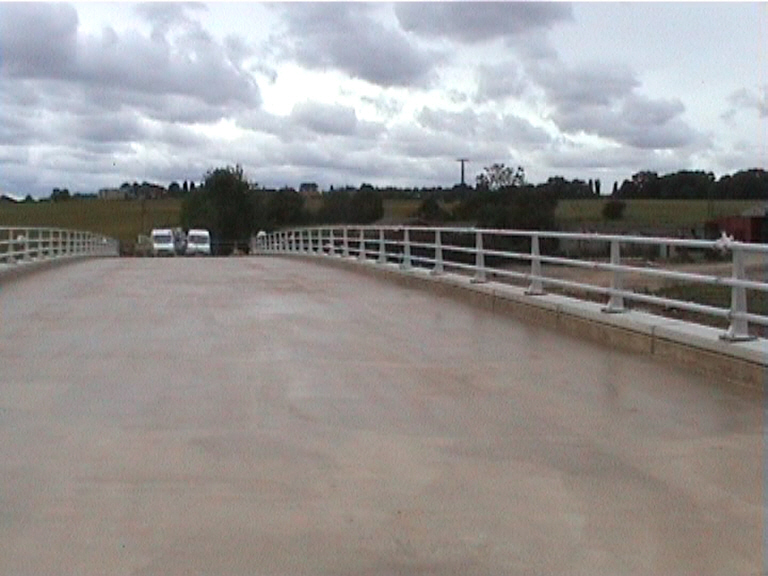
(485, 254)
(23, 245)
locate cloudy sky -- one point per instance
(92, 95)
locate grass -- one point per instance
(400, 210)
(667, 214)
(121, 219)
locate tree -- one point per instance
(366, 206)
(174, 190)
(285, 207)
(222, 205)
(497, 176)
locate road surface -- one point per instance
(259, 416)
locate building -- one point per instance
(750, 226)
(309, 190)
(112, 194)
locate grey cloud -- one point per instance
(346, 37)
(42, 41)
(37, 40)
(417, 142)
(516, 131)
(744, 99)
(166, 15)
(109, 128)
(325, 118)
(499, 82)
(473, 22)
(506, 129)
(599, 84)
(462, 123)
(603, 100)
(623, 123)
(573, 159)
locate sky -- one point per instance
(96, 94)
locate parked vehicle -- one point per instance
(198, 242)
(162, 242)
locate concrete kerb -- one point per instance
(10, 272)
(698, 348)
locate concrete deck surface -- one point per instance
(259, 416)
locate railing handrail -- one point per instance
(24, 244)
(356, 241)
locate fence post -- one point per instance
(345, 243)
(615, 301)
(26, 245)
(479, 276)
(406, 263)
(331, 243)
(438, 269)
(382, 248)
(361, 250)
(738, 331)
(536, 288)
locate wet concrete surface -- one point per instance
(258, 416)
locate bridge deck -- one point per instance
(260, 416)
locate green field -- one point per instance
(121, 219)
(667, 214)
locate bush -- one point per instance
(614, 209)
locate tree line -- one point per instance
(233, 208)
(695, 185)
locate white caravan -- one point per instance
(162, 242)
(198, 242)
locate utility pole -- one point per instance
(463, 161)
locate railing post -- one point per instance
(438, 269)
(301, 241)
(26, 246)
(382, 247)
(361, 249)
(345, 243)
(479, 276)
(738, 331)
(615, 301)
(536, 288)
(406, 263)
(331, 243)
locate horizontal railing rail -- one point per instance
(487, 252)
(19, 245)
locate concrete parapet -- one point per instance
(9, 272)
(694, 347)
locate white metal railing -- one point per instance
(19, 245)
(481, 252)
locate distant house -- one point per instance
(750, 226)
(113, 194)
(309, 190)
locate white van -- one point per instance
(198, 242)
(162, 242)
